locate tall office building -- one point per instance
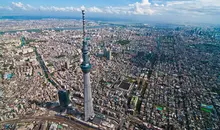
(86, 66)
(108, 53)
(64, 98)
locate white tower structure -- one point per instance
(86, 66)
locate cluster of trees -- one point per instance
(123, 42)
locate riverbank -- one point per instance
(56, 29)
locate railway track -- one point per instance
(58, 120)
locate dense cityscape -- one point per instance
(142, 76)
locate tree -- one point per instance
(11, 67)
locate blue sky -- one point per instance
(197, 11)
(73, 2)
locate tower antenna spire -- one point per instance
(84, 29)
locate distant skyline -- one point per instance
(169, 11)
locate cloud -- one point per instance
(143, 8)
(19, 5)
(201, 7)
(115, 10)
(59, 9)
(156, 4)
(30, 7)
(5, 8)
(82, 7)
(172, 8)
(95, 10)
(22, 6)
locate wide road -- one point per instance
(70, 123)
(46, 71)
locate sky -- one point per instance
(169, 11)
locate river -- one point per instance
(58, 29)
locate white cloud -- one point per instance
(42, 8)
(201, 7)
(115, 10)
(145, 7)
(30, 7)
(145, 2)
(5, 8)
(95, 10)
(82, 7)
(142, 8)
(22, 6)
(9, 8)
(19, 5)
(59, 9)
(156, 4)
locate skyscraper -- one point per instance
(86, 66)
(107, 53)
(63, 98)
